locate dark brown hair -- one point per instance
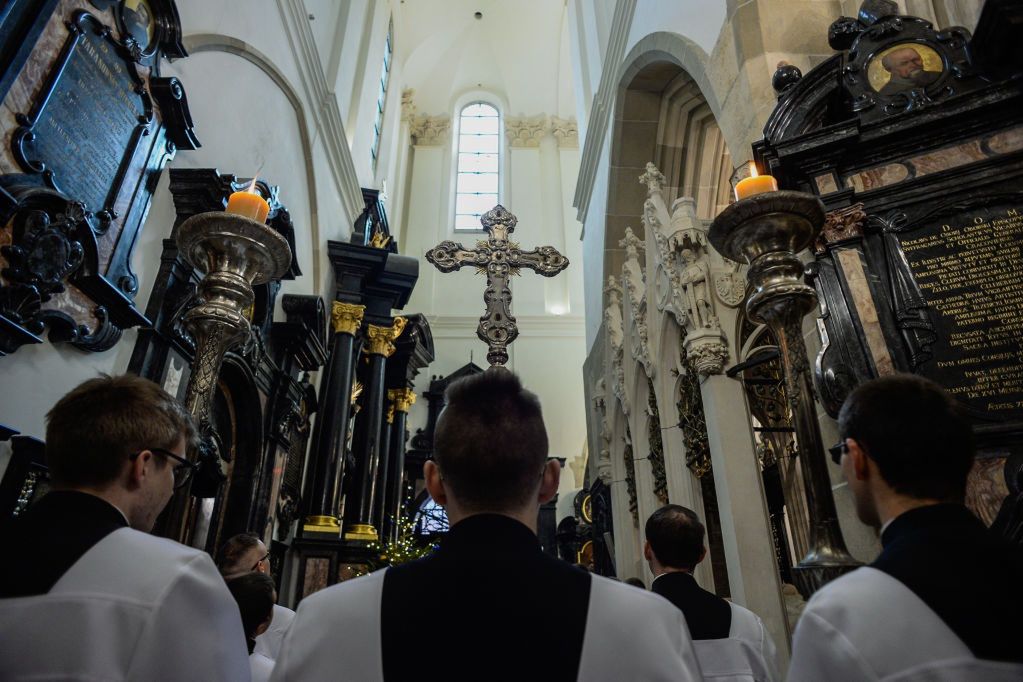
(92, 430)
(919, 437)
(229, 558)
(254, 594)
(675, 535)
(490, 442)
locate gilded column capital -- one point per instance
(402, 398)
(346, 318)
(380, 340)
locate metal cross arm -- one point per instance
(499, 259)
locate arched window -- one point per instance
(431, 518)
(479, 162)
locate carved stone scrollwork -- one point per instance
(527, 131)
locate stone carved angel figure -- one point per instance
(695, 282)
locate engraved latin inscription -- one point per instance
(85, 128)
(970, 270)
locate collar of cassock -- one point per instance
(933, 516)
(489, 534)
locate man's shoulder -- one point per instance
(630, 601)
(134, 564)
(344, 598)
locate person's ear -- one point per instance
(265, 625)
(550, 481)
(858, 459)
(648, 551)
(434, 483)
(703, 554)
(139, 468)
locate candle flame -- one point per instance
(753, 169)
(251, 189)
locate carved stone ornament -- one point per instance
(429, 131)
(635, 286)
(729, 285)
(408, 105)
(380, 340)
(652, 178)
(840, 225)
(706, 351)
(565, 131)
(526, 131)
(615, 326)
(346, 318)
(604, 467)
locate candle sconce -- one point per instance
(767, 231)
(235, 253)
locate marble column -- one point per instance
(379, 346)
(402, 400)
(745, 524)
(323, 485)
(380, 520)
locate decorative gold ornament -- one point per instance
(357, 389)
(390, 413)
(402, 398)
(362, 532)
(321, 524)
(346, 318)
(381, 339)
(379, 240)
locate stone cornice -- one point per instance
(323, 104)
(603, 100)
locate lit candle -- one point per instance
(249, 204)
(755, 184)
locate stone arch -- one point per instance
(215, 42)
(666, 113)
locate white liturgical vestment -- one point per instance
(630, 636)
(868, 626)
(268, 644)
(748, 653)
(133, 607)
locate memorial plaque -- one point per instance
(968, 265)
(86, 126)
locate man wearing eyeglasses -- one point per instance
(942, 601)
(246, 553)
(85, 591)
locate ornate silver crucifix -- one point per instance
(499, 259)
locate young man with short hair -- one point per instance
(494, 605)
(245, 553)
(256, 597)
(944, 591)
(85, 591)
(726, 635)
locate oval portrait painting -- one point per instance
(904, 67)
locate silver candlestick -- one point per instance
(235, 253)
(767, 231)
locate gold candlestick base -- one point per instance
(362, 532)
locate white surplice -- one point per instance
(269, 643)
(134, 607)
(868, 626)
(630, 635)
(748, 653)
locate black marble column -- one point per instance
(331, 431)
(384, 470)
(359, 526)
(402, 399)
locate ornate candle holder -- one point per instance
(235, 253)
(767, 231)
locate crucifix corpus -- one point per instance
(499, 259)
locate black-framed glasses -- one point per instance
(255, 566)
(183, 469)
(837, 450)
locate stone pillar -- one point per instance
(331, 430)
(746, 529)
(402, 400)
(359, 511)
